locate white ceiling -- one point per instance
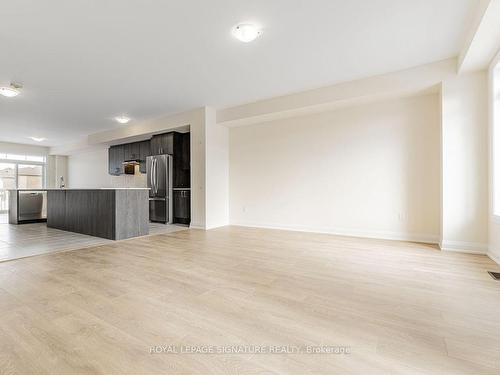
(84, 61)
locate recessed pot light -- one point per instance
(246, 32)
(36, 139)
(10, 91)
(122, 119)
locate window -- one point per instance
(29, 176)
(20, 157)
(40, 159)
(15, 157)
(7, 176)
(7, 181)
(496, 141)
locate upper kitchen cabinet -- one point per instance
(144, 152)
(129, 151)
(115, 160)
(186, 151)
(173, 143)
(162, 144)
(182, 161)
(132, 151)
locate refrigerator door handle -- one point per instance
(151, 176)
(155, 190)
(156, 176)
(169, 189)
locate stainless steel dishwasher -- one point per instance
(27, 206)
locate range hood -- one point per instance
(132, 162)
(129, 166)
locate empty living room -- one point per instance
(250, 187)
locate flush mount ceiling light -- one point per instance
(38, 139)
(10, 91)
(122, 119)
(246, 32)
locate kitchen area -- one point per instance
(158, 202)
(165, 161)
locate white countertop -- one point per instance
(80, 189)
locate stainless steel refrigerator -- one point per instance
(159, 176)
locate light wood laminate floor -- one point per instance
(401, 308)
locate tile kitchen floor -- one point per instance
(19, 241)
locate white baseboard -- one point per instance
(494, 255)
(383, 235)
(204, 227)
(217, 225)
(456, 246)
(196, 226)
(464, 247)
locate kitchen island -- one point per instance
(114, 214)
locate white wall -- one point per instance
(465, 163)
(57, 167)
(22, 149)
(371, 89)
(217, 172)
(371, 170)
(89, 169)
(494, 157)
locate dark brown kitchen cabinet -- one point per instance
(129, 151)
(181, 161)
(115, 160)
(182, 206)
(132, 151)
(173, 143)
(136, 150)
(155, 145)
(167, 143)
(144, 149)
(162, 144)
(144, 152)
(186, 151)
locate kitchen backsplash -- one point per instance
(137, 180)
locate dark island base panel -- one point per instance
(111, 214)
